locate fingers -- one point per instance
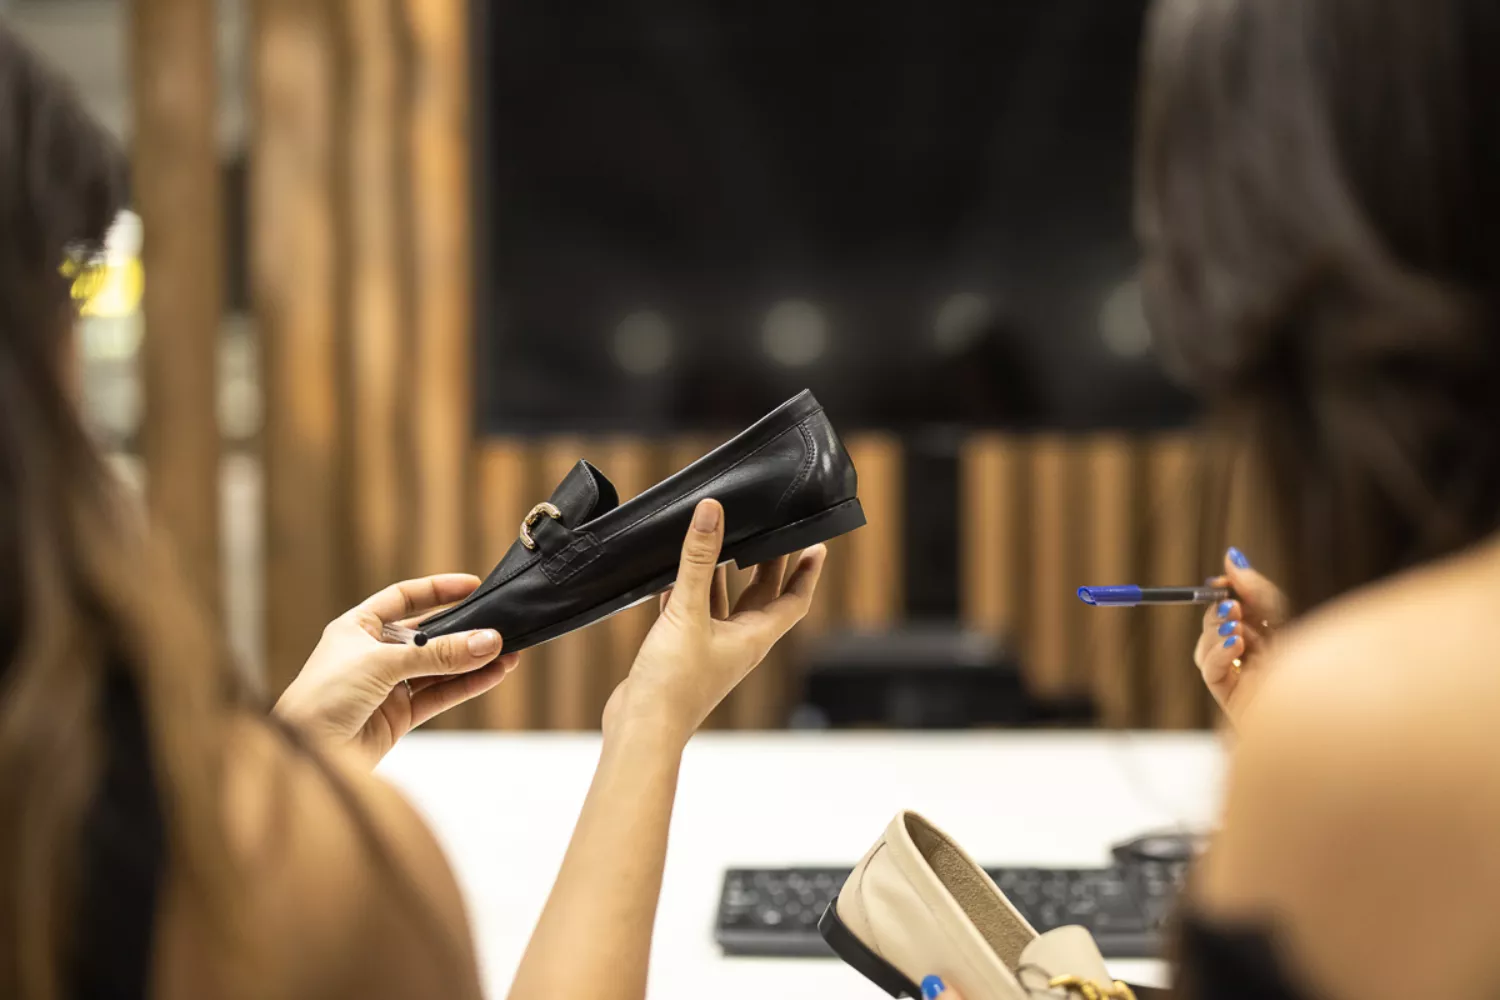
(459, 653)
(700, 556)
(411, 597)
(796, 597)
(764, 586)
(440, 694)
(1262, 599)
(718, 601)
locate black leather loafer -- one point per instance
(785, 483)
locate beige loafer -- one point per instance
(916, 904)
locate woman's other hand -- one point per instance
(357, 690)
(1237, 633)
(698, 650)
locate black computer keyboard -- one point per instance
(774, 912)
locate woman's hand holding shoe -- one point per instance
(694, 655)
(360, 691)
(698, 650)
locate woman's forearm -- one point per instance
(593, 941)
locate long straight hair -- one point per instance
(85, 593)
(1319, 203)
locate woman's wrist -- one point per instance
(645, 732)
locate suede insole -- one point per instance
(975, 895)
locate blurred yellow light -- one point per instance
(109, 290)
(116, 293)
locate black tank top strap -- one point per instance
(1220, 962)
(124, 859)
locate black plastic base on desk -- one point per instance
(774, 912)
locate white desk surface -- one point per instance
(504, 806)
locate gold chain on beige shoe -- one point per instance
(1090, 990)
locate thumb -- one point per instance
(448, 654)
(1261, 599)
(700, 555)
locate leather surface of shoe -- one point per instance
(917, 905)
(785, 483)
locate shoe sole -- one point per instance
(858, 956)
(820, 527)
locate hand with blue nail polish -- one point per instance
(933, 987)
(1236, 631)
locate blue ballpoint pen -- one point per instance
(1129, 595)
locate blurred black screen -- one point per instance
(690, 209)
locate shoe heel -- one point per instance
(855, 954)
(822, 526)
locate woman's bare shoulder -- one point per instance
(343, 888)
(1362, 817)
(1421, 640)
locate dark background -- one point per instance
(700, 161)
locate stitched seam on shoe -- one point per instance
(743, 459)
(807, 466)
(562, 568)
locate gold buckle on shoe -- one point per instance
(537, 513)
(1090, 990)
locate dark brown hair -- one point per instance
(1319, 206)
(85, 595)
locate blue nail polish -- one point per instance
(1229, 643)
(1228, 628)
(1238, 558)
(932, 987)
(1225, 607)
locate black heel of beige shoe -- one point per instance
(860, 958)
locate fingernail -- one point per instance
(706, 517)
(1229, 643)
(1238, 558)
(932, 986)
(1228, 628)
(1225, 607)
(484, 642)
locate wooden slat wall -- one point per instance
(1110, 638)
(439, 210)
(294, 254)
(374, 234)
(1048, 656)
(992, 552)
(1174, 684)
(872, 562)
(176, 172)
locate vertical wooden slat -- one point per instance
(175, 155)
(571, 659)
(509, 488)
(441, 362)
(633, 465)
(875, 571)
(293, 260)
(372, 202)
(1048, 656)
(992, 548)
(1175, 687)
(1109, 648)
